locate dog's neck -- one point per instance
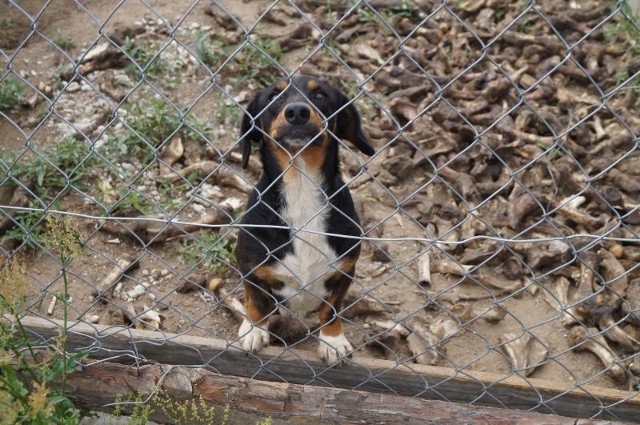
(323, 177)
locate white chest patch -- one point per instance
(304, 270)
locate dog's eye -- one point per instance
(274, 95)
(320, 95)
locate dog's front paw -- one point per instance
(333, 349)
(253, 338)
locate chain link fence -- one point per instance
(500, 211)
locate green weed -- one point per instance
(406, 9)
(11, 93)
(227, 112)
(217, 250)
(210, 49)
(259, 62)
(62, 41)
(50, 174)
(145, 64)
(184, 412)
(149, 124)
(621, 25)
(32, 382)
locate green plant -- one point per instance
(180, 412)
(406, 9)
(131, 203)
(623, 23)
(62, 41)
(11, 93)
(259, 62)
(149, 124)
(50, 174)
(32, 382)
(145, 62)
(209, 48)
(553, 152)
(227, 112)
(217, 249)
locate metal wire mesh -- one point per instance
(499, 213)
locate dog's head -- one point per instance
(294, 114)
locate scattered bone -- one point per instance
(150, 318)
(541, 253)
(52, 305)
(526, 352)
(422, 344)
(615, 276)
(154, 231)
(613, 332)
(494, 315)
(391, 328)
(448, 266)
(574, 214)
(493, 280)
(444, 327)
(462, 312)
(169, 155)
(294, 39)
(214, 284)
(631, 304)
(132, 316)
(557, 296)
(94, 318)
(222, 17)
(357, 303)
(379, 271)
(463, 182)
(589, 262)
(580, 339)
(424, 270)
(232, 303)
(136, 292)
(123, 265)
(448, 235)
(191, 283)
(213, 172)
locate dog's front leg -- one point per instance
(334, 346)
(259, 303)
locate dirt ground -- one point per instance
(476, 166)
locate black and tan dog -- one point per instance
(298, 246)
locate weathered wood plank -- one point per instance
(250, 400)
(301, 367)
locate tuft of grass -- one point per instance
(11, 93)
(50, 174)
(180, 412)
(145, 64)
(406, 9)
(63, 41)
(215, 249)
(259, 62)
(150, 124)
(621, 25)
(210, 49)
(32, 381)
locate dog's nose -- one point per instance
(297, 113)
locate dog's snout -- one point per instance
(297, 114)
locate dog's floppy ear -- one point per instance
(249, 130)
(348, 125)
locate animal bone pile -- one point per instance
(511, 141)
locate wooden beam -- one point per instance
(382, 376)
(249, 400)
